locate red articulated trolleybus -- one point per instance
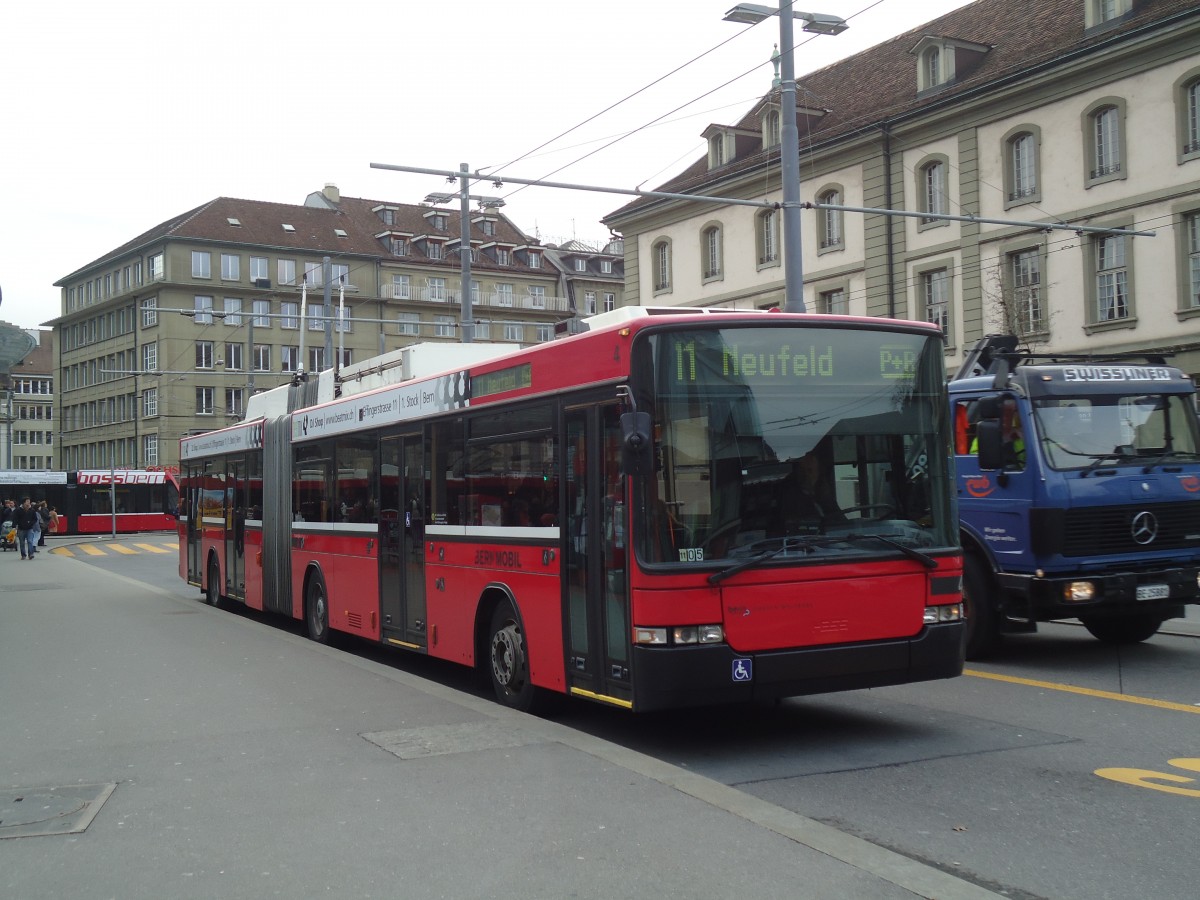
(673, 508)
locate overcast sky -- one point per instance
(117, 116)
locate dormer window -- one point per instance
(942, 61)
(535, 260)
(606, 266)
(399, 246)
(1099, 13)
(771, 132)
(503, 257)
(580, 265)
(488, 227)
(438, 221)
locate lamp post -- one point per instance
(789, 137)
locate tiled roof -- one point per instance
(880, 83)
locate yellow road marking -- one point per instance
(91, 550)
(1087, 692)
(62, 551)
(121, 548)
(150, 548)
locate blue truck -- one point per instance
(1078, 492)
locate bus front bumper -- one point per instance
(672, 677)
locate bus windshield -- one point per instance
(812, 442)
(1097, 430)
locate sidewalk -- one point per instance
(242, 760)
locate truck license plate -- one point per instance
(1153, 592)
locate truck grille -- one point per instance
(1109, 529)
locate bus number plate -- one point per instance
(1153, 592)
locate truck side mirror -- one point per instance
(635, 446)
(989, 439)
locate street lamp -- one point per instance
(464, 239)
(789, 138)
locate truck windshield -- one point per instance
(800, 440)
(1095, 430)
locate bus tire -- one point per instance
(316, 609)
(979, 608)
(508, 664)
(212, 594)
(1128, 629)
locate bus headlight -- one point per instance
(948, 613)
(698, 634)
(1079, 592)
(650, 636)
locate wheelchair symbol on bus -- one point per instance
(743, 670)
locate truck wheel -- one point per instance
(1131, 629)
(979, 608)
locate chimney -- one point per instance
(331, 192)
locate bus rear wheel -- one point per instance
(316, 610)
(1131, 629)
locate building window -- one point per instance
(1187, 114)
(535, 260)
(408, 324)
(339, 275)
(483, 330)
(1105, 151)
(932, 176)
(537, 296)
(204, 307)
(314, 275)
(231, 267)
(233, 357)
(260, 269)
(401, 287)
(514, 331)
(829, 221)
(204, 354)
(1102, 12)
(504, 294)
(289, 358)
(1021, 168)
(150, 449)
(316, 317)
(606, 267)
(154, 267)
(711, 252)
(316, 359)
(610, 301)
(935, 297)
(150, 356)
(343, 321)
(833, 302)
(931, 68)
(767, 234)
(589, 303)
(580, 265)
(1025, 291)
(1193, 256)
(262, 314)
(438, 221)
(545, 333)
(488, 227)
(443, 326)
(662, 266)
(287, 271)
(1112, 284)
(433, 250)
(399, 246)
(204, 401)
(150, 402)
(503, 257)
(289, 314)
(437, 290)
(235, 403)
(233, 311)
(201, 264)
(150, 312)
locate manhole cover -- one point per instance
(436, 740)
(51, 810)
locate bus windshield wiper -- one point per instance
(786, 543)
(911, 552)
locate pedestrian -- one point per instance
(43, 522)
(54, 524)
(27, 522)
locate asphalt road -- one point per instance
(1062, 768)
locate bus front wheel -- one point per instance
(316, 610)
(212, 593)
